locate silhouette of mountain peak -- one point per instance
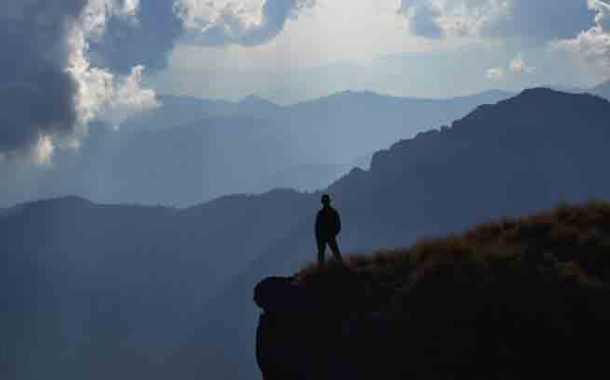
(359, 94)
(255, 100)
(549, 94)
(529, 103)
(540, 92)
(70, 200)
(350, 95)
(534, 118)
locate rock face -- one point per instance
(302, 333)
(455, 322)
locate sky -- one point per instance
(75, 61)
(333, 45)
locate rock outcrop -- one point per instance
(303, 332)
(439, 330)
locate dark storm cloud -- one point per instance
(59, 58)
(36, 93)
(229, 29)
(146, 39)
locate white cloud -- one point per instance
(591, 47)
(519, 66)
(516, 66)
(124, 97)
(496, 74)
(450, 18)
(244, 22)
(602, 10)
(43, 151)
(100, 93)
(97, 12)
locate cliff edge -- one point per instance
(519, 298)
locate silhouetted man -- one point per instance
(328, 226)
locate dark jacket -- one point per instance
(328, 223)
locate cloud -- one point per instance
(451, 18)
(209, 24)
(422, 18)
(541, 20)
(519, 66)
(591, 47)
(538, 21)
(516, 66)
(113, 98)
(496, 74)
(447, 18)
(602, 13)
(36, 93)
(125, 98)
(65, 63)
(137, 32)
(49, 90)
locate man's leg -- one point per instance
(321, 248)
(332, 243)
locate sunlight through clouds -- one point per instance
(54, 90)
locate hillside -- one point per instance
(118, 286)
(518, 156)
(518, 298)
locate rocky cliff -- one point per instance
(520, 298)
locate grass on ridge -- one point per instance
(573, 240)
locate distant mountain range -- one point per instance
(120, 287)
(192, 150)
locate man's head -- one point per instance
(326, 200)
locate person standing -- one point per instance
(328, 226)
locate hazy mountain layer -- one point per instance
(191, 150)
